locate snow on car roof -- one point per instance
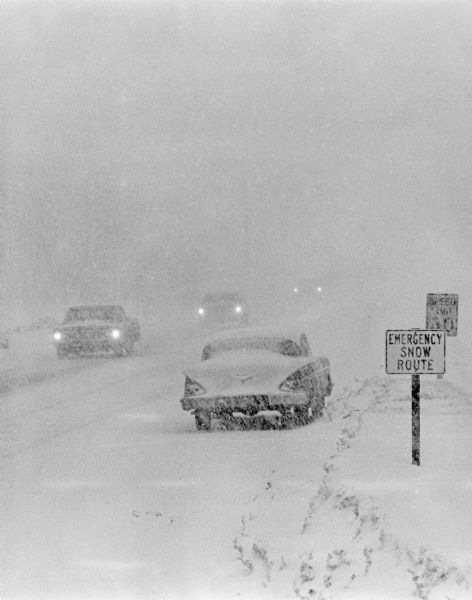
(256, 332)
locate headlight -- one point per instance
(193, 388)
(115, 333)
(319, 289)
(201, 312)
(238, 308)
(295, 290)
(57, 335)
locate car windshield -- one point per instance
(279, 345)
(92, 313)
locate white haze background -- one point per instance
(155, 150)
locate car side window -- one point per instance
(288, 348)
(304, 345)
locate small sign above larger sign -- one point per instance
(415, 351)
(441, 312)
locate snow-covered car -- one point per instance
(250, 371)
(97, 328)
(223, 307)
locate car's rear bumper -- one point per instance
(245, 403)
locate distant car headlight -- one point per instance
(319, 289)
(295, 290)
(57, 335)
(115, 333)
(201, 311)
(238, 308)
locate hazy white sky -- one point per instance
(186, 146)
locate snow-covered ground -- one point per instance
(108, 491)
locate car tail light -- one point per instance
(294, 383)
(193, 388)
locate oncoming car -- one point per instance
(308, 289)
(222, 307)
(96, 328)
(250, 371)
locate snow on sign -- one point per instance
(415, 351)
(441, 312)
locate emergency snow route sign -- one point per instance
(441, 312)
(415, 351)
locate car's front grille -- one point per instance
(87, 333)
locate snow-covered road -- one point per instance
(108, 491)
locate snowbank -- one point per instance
(377, 526)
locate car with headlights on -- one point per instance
(96, 328)
(223, 307)
(308, 290)
(247, 372)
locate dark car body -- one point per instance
(96, 328)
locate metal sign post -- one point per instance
(415, 420)
(415, 352)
